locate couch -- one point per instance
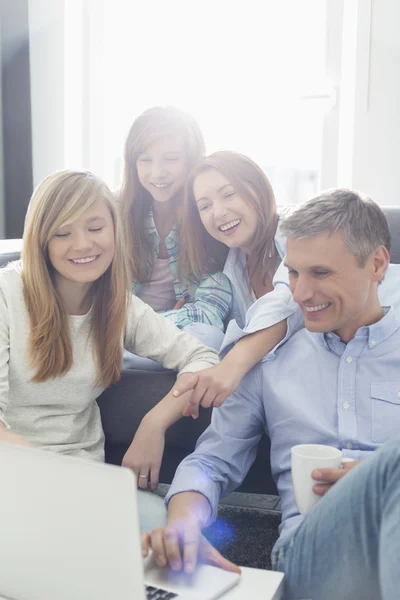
(124, 404)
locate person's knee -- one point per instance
(390, 452)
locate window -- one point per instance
(252, 73)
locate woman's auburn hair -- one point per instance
(203, 255)
(59, 200)
(134, 200)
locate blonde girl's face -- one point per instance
(227, 216)
(82, 251)
(162, 168)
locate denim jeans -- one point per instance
(348, 547)
(209, 335)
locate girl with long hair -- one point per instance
(163, 145)
(66, 313)
(231, 223)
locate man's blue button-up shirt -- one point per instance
(316, 390)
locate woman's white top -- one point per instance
(249, 316)
(61, 413)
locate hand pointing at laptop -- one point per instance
(180, 544)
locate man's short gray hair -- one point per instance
(360, 219)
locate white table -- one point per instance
(254, 584)
(257, 583)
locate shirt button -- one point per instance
(372, 343)
(329, 335)
(349, 359)
(398, 394)
(345, 405)
(349, 445)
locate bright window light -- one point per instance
(252, 73)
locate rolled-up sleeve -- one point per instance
(227, 449)
(151, 335)
(272, 308)
(211, 304)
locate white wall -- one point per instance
(66, 94)
(362, 138)
(46, 38)
(370, 119)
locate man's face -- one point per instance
(334, 293)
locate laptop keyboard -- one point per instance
(153, 593)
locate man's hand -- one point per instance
(210, 387)
(328, 477)
(145, 453)
(181, 546)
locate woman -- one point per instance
(231, 223)
(162, 146)
(66, 312)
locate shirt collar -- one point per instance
(236, 259)
(150, 225)
(172, 237)
(375, 333)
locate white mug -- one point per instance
(306, 458)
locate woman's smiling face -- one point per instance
(227, 216)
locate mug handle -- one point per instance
(346, 460)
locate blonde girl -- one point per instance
(66, 313)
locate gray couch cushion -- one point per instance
(393, 216)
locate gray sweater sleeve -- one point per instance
(4, 355)
(152, 335)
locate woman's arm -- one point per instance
(145, 453)
(152, 335)
(212, 386)
(5, 435)
(271, 319)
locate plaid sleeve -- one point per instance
(211, 304)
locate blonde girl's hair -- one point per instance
(135, 201)
(201, 254)
(59, 200)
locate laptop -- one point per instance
(70, 531)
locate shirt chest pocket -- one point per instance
(385, 411)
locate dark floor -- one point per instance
(246, 528)
(245, 535)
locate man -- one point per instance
(336, 382)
